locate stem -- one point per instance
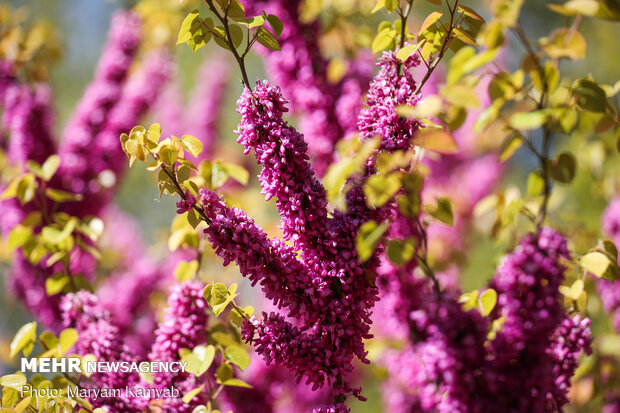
(542, 214)
(240, 60)
(423, 261)
(543, 156)
(200, 210)
(429, 273)
(444, 46)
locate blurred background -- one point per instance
(82, 26)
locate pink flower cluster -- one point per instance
(526, 367)
(319, 278)
(328, 111)
(392, 87)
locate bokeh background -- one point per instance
(82, 26)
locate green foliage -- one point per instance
(24, 339)
(368, 238)
(442, 211)
(602, 261)
(219, 297)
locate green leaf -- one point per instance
(401, 252)
(410, 203)
(442, 211)
(186, 271)
(384, 39)
(238, 356)
(596, 263)
(469, 300)
(528, 120)
(154, 132)
(236, 34)
(18, 236)
(253, 22)
(192, 144)
(427, 108)
(487, 300)
(55, 283)
(193, 218)
(563, 169)
(185, 33)
(67, 339)
(237, 172)
(436, 140)
(276, 24)
(574, 291)
(236, 383)
(368, 237)
(464, 37)
(565, 43)
(391, 5)
(236, 10)
(218, 296)
(168, 154)
(225, 372)
(187, 397)
(574, 7)
(429, 21)
(380, 4)
(404, 53)
(379, 189)
(223, 339)
(55, 236)
(13, 381)
(205, 355)
(26, 335)
(60, 196)
(535, 184)
(590, 96)
(267, 39)
(510, 146)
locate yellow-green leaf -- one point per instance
(13, 381)
(187, 397)
(26, 335)
(487, 300)
(595, 262)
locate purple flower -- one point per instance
(99, 336)
(184, 326)
(28, 117)
(186, 204)
(571, 338)
(300, 70)
(286, 174)
(388, 90)
(27, 282)
(111, 105)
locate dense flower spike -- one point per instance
(273, 264)
(100, 337)
(572, 338)
(325, 288)
(105, 90)
(28, 117)
(388, 90)
(286, 174)
(300, 70)
(184, 326)
(527, 285)
(27, 282)
(206, 104)
(92, 177)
